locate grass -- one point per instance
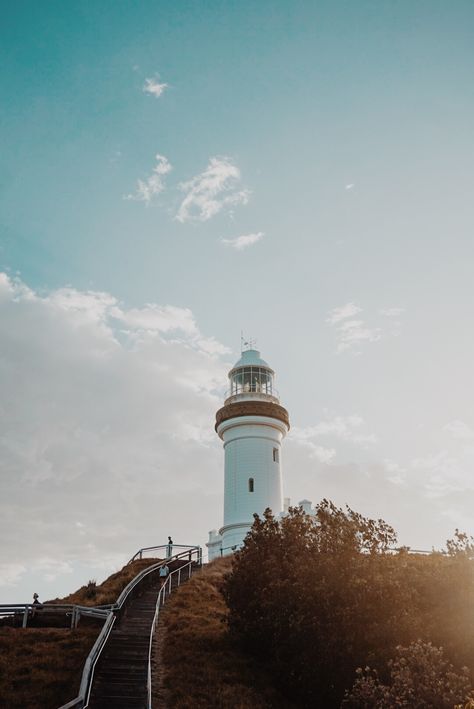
(107, 592)
(40, 668)
(200, 666)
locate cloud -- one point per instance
(343, 427)
(242, 242)
(213, 190)
(459, 430)
(154, 87)
(339, 428)
(391, 312)
(350, 186)
(154, 184)
(344, 311)
(106, 429)
(351, 333)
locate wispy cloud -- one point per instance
(391, 312)
(350, 186)
(351, 333)
(348, 429)
(459, 430)
(154, 184)
(344, 311)
(242, 242)
(212, 191)
(154, 87)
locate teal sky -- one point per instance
(351, 126)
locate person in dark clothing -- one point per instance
(170, 547)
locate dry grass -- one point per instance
(40, 668)
(108, 591)
(199, 665)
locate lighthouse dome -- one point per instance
(250, 358)
(251, 378)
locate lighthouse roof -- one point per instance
(251, 358)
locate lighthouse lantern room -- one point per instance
(252, 425)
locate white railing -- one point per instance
(185, 570)
(167, 548)
(28, 611)
(82, 699)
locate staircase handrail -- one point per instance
(82, 699)
(149, 569)
(139, 553)
(160, 601)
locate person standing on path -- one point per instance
(170, 547)
(164, 571)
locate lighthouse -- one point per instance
(252, 425)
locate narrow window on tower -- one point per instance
(250, 484)
(275, 455)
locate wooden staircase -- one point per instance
(120, 677)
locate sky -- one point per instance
(175, 173)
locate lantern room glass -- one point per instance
(257, 380)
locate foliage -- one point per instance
(420, 678)
(317, 597)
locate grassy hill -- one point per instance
(198, 664)
(41, 668)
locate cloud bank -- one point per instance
(106, 438)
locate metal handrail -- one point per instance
(82, 699)
(231, 395)
(139, 553)
(160, 601)
(7, 609)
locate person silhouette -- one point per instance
(170, 547)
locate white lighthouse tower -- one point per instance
(252, 425)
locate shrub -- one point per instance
(317, 597)
(420, 678)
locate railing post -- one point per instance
(25, 617)
(73, 618)
(179, 576)
(141, 553)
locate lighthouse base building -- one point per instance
(252, 425)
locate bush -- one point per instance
(420, 678)
(317, 597)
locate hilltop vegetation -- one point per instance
(93, 594)
(317, 598)
(196, 662)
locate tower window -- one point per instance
(276, 456)
(250, 484)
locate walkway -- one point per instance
(120, 678)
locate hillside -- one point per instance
(40, 668)
(197, 662)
